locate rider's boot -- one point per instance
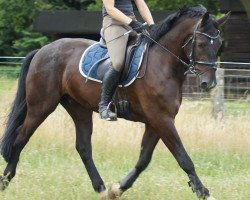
(109, 84)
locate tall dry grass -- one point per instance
(51, 169)
(197, 127)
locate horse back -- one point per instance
(55, 68)
(56, 64)
(59, 53)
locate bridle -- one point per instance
(192, 62)
(191, 65)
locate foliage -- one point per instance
(16, 19)
(70, 4)
(96, 5)
(29, 41)
(211, 5)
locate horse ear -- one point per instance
(223, 19)
(204, 19)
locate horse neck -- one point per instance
(173, 41)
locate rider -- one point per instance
(118, 18)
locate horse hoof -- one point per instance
(104, 195)
(114, 191)
(210, 198)
(3, 183)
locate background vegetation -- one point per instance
(17, 16)
(50, 167)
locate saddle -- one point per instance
(95, 60)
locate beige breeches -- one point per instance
(117, 47)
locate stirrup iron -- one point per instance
(109, 115)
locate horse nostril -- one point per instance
(203, 85)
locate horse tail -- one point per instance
(18, 110)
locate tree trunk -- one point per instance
(246, 4)
(218, 96)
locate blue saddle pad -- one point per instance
(95, 61)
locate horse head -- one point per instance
(191, 37)
(201, 48)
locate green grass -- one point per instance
(7, 85)
(7, 92)
(11, 72)
(237, 108)
(59, 174)
(51, 169)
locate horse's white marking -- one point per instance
(104, 195)
(210, 198)
(114, 191)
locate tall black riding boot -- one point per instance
(109, 84)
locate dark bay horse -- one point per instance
(186, 41)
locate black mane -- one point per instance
(161, 28)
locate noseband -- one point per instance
(191, 65)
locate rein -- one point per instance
(191, 65)
(165, 49)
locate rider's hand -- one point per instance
(138, 26)
(151, 26)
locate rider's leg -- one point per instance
(116, 50)
(109, 85)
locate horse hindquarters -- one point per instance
(18, 111)
(38, 103)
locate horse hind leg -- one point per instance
(36, 114)
(83, 123)
(149, 141)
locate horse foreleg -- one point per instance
(169, 135)
(149, 141)
(84, 126)
(84, 148)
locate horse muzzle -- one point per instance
(206, 86)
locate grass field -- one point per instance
(50, 168)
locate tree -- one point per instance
(246, 4)
(155, 5)
(15, 21)
(70, 4)
(211, 5)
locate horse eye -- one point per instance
(201, 44)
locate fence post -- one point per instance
(218, 108)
